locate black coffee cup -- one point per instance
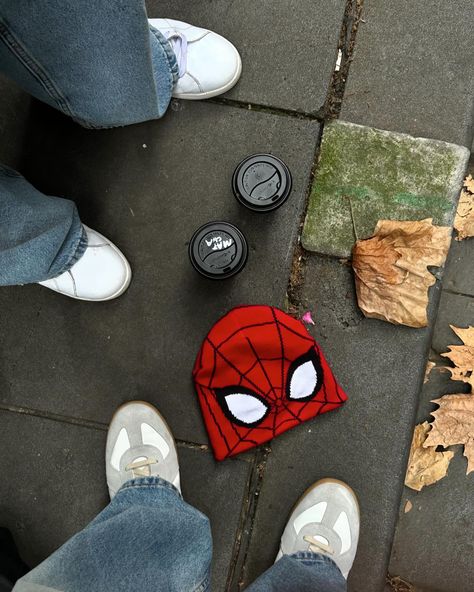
(262, 182)
(218, 250)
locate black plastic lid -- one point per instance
(218, 250)
(262, 182)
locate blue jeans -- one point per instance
(101, 64)
(148, 539)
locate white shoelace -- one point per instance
(179, 44)
(141, 468)
(316, 546)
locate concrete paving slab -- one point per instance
(459, 274)
(366, 442)
(454, 309)
(147, 187)
(62, 487)
(439, 384)
(288, 47)
(366, 175)
(433, 545)
(407, 75)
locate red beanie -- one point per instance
(259, 373)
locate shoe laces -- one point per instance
(316, 546)
(179, 44)
(141, 468)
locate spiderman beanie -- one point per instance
(259, 373)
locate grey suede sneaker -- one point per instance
(139, 444)
(325, 520)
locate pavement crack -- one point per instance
(347, 39)
(85, 423)
(257, 107)
(237, 570)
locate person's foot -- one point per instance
(102, 273)
(209, 65)
(139, 444)
(325, 521)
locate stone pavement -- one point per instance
(67, 365)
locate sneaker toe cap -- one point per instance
(214, 66)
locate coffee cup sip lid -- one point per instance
(218, 250)
(262, 182)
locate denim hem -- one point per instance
(80, 249)
(204, 586)
(36, 70)
(7, 171)
(165, 44)
(77, 248)
(313, 558)
(149, 482)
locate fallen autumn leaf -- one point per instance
(464, 221)
(469, 183)
(392, 279)
(429, 366)
(462, 356)
(454, 424)
(425, 465)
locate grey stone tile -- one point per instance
(436, 535)
(288, 47)
(366, 175)
(439, 383)
(53, 481)
(459, 274)
(434, 544)
(54, 484)
(82, 359)
(218, 490)
(454, 309)
(365, 443)
(408, 75)
(14, 111)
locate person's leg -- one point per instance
(105, 65)
(319, 543)
(97, 62)
(42, 240)
(40, 236)
(147, 538)
(304, 572)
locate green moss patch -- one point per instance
(365, 175)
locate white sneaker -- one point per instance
(139, 444)
(326, 520)
(209, 65)
(102, 273)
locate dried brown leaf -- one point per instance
(397, 584)
(429, 366)
(425, 465)
(464, 221)
(469, 183)
(462, 356)
(454, 424)
(392, 279)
